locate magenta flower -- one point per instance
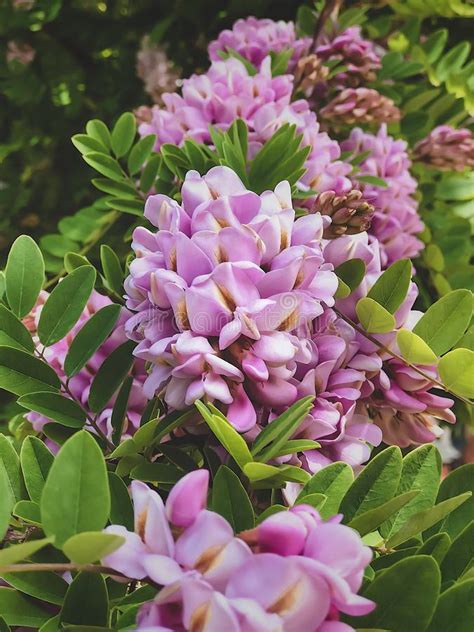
(396, 220)
(254, 39)
(292, 572)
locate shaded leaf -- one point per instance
(24, 275)
(230, 500)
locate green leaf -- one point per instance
(414, 349)
(351, 272)
(119, 410)
(55, 406)
(315, 500)
(455, 609)
(333, 481)
(73, 261)
(445, 321)
(7, 501)
(274, 436)
(24, 275)
(149, 173)
(42, 585)
(92, 546)
(370, 520)
(229, 499)
(156, 473)
(373, 180)
(231, 52)
(297, 445)
(86, 589)
(76, 495)
(105, 165)
(121, 508)
(280, 61)
(89, 338)
(112, 268)
(110, 375)
(36, 461)
(227, 436)
(99, 131)
(405, 594)
(85, 144)
(140, 153)
(28, 511)
(458, 481)
(117, 189)
(375, 485)
(19, 552)
(391, 287)
(423, 520)
(21, 373)
(13, 332)
(132, 207)
(343, 290)
(11, 463)
(437, 546)
(3, 625)
(373, 317)
(65, 305)
(456, 370)
(421, 471)
(123, 134)
(460, 555)
(18, 610)
(258, 472)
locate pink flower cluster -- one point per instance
(227, 91)
(255, 39)
(79, 385)
(225, 292)
(396, 220)
(293, 572)
(233, 299)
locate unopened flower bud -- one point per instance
(187, 498)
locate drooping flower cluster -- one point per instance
(79, 385)
(292, 572)
(222, 290)
(228, 91)
(358, 56)
(155, 70)
(254, 39)
(396, 221)
(447, 149)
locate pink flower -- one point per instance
(293, 572)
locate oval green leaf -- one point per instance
(76, 495)
(56, 407)
(391, 287)
(21, 373)
(110, 375)
(445, 321)
(230, 500)
(13, 332)
(91, 546)
(456, 370)
(414, 349)
(24, 275)
(374, 318)
(89, 338)
(65, 305)
(123, 134)
(36, 461)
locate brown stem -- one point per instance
(330, 9)
(381, 346)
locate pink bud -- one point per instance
(187, 498)
(283, 533)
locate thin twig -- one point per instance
(331, 8)
(383, 347)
